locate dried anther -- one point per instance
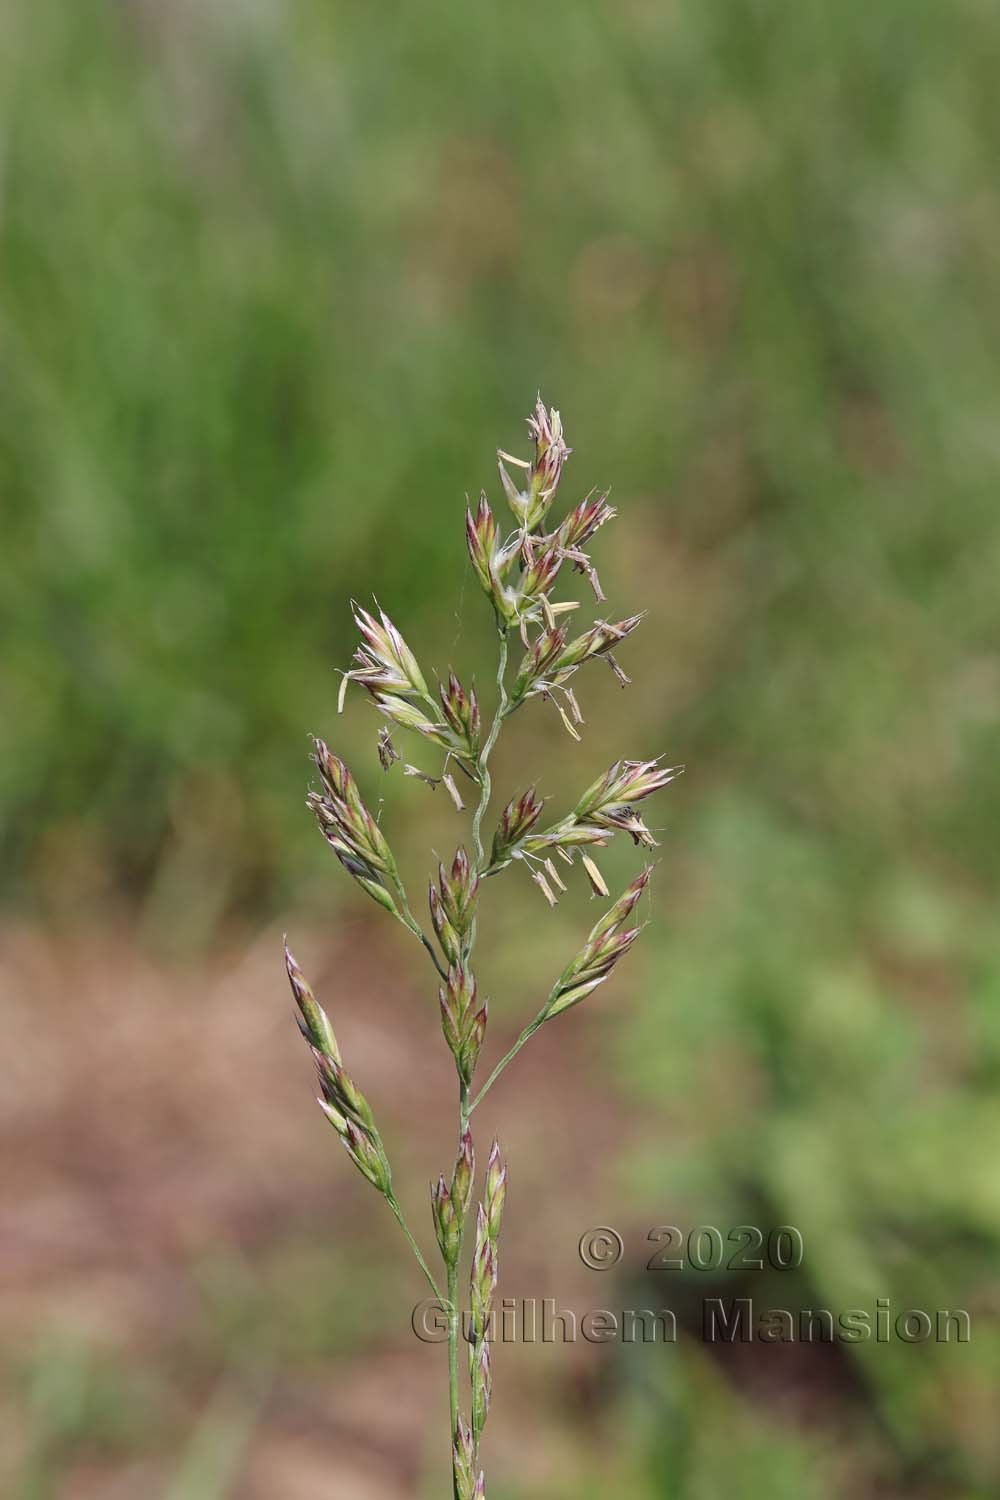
(453, 792)
(387, 752)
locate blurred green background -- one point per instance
(276, 282)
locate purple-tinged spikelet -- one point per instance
(312, 1018)
(608, 802)
(608, 942)
(463, 1019)
(447, 1223)
(464, 1459)
(482, 1280)
(482, 1386)
(583, 521)
(461, 709)
(489, 561)
(496, 1192)
(464, 1175)
(385, 661)
(551, 454)
(516, 822)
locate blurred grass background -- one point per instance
(276, 282)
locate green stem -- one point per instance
(525, 1036)
(391, 1200)
(464, 1108)
(482, 763)
(454, 1319)
(409, 921)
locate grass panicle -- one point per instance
(519, 573)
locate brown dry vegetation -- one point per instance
(175, 1207)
